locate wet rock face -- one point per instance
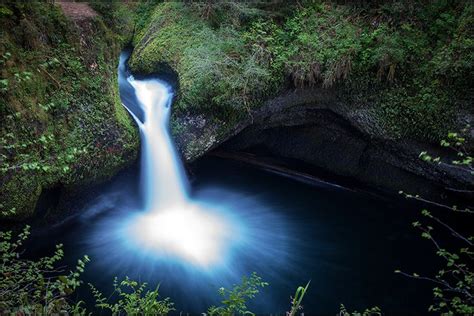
(315, 127)
(331, 144)
(194, 134)
(325, 140)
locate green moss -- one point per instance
(63, 119)
(22, 193)
(123, 117)
(216, 72)
(411, 64)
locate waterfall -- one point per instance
(172, 224)
(163, 181)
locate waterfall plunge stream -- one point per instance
(164, 184)
(171, 224)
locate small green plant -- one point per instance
(133, 298)
(298, 299)
(373, 311)
(235, 300)
(36, 286)
(23, 76)
(4, 85)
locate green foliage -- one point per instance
(298, 299)
(412, 64)
(36, 287)
(41, 287)
(132, 299)
(316, 45)
(232, 13)
(374, 311)
(231, 81)
(60, 164)
(327, 44)
(454, 291)
(117, 15)
(216, 73)
(423, 110)
(143, 13)
(234, 300)
(62, 119)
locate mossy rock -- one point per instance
(19, 197)
(64, 123)
(230, 58)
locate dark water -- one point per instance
(347, 243)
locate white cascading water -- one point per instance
(163, 182)
(172, 224)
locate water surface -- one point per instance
(347, 243)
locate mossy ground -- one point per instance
(411, 63)
(62, 119)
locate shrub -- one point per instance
(454, 290)
(234, 300)
(36, 286)
(132, 298)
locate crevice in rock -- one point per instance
(48, 200)
(329, 141)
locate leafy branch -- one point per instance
(454, 291)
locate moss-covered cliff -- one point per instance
(407, 67)
(398, 72)
(62, 120)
